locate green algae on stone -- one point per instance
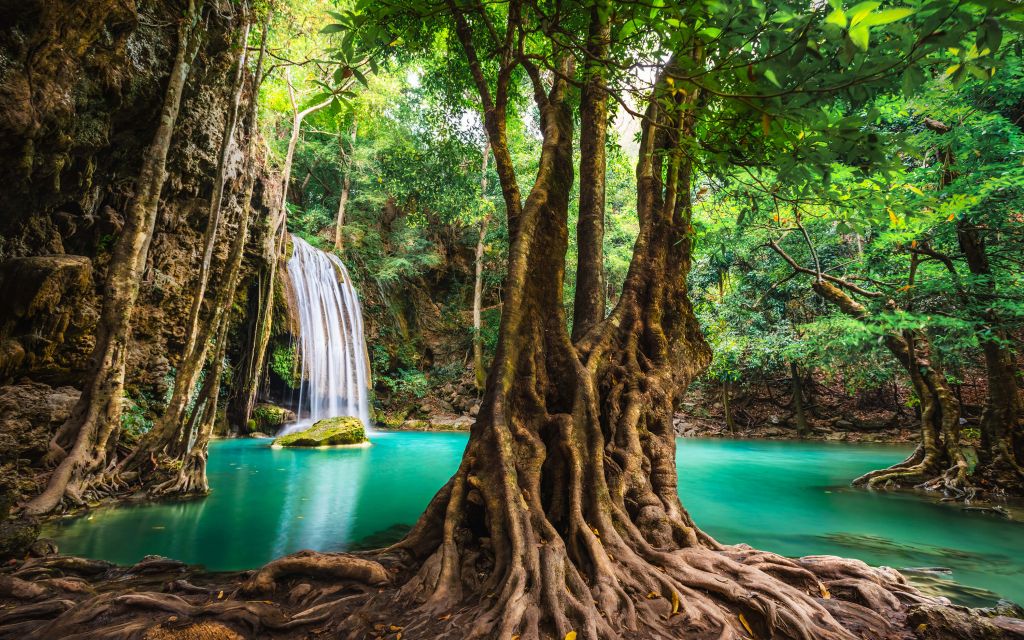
(326, 433)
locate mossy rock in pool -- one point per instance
(326, 433)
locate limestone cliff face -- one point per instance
(81, 84)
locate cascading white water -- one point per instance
(332, 350)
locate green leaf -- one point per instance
(838, 18)
(333, 28)
(628, 29)
(886, 16)
(860, 11)
(360, 77)
(860, 36)
(770, 76)
(913, 78)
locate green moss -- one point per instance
(332, 431)
(283, 362)
(269, 417)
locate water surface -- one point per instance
(787, 497)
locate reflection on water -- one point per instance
(787, 497)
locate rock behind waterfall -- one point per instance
(326, 433)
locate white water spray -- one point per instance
(332, 349)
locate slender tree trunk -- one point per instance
(97, 413)
(478, 283)
(276, 242)
(798, 401)
(197, 335)
(730, 422)
(1001, 455)
(588, 303)
(346, 184)
(938, 463)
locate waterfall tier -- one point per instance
(332, 349)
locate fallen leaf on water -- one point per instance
(746, 625)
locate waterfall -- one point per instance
(332, 350)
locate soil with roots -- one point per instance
(332, 595)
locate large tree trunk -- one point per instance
(589, 300)
(564, 515)
(97, 413)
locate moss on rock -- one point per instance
(270, 417)
(329, 432)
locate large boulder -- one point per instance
(326, 433)
(268, 418)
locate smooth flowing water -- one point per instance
(332, 350)
(787, 497)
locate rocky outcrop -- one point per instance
(268, 418)
(81, 84)
(326, 433)
(43, 297)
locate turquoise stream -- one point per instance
(787, 497)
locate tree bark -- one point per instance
(97, 413)
(589, 300)
(346, 184)
(480, 373)
(730, 422)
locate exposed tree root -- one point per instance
(727, 592)
(339, 566)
